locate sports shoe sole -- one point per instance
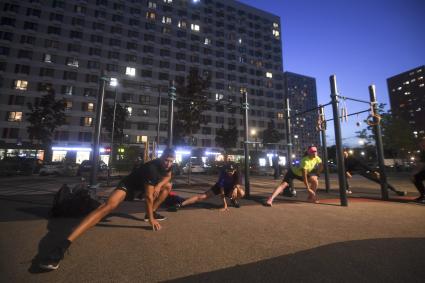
(161, 219)
(48, 266)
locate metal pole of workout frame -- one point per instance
(245, 107)
(325, 150)
(338, 142)
(172, 97)
(288, 136)
(98, 127)
(379, 146)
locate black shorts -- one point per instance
(130, 193)
(227, 190)
(290, 176)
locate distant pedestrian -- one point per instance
(307, 171)
(418, 174)
(152, 178)
(229, 185)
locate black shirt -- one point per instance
(151, 173)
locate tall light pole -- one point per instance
(113, 82)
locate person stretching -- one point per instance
(228, 185)
(307, 171)
(152, 179)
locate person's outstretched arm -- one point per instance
(149, 197)
(223, 196)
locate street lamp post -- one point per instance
(114, 83)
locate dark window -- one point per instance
(5, 35)
(76, 34)
(25, 54)
(53, 30)
(26, 39)
(4, 50)
(30, 26)
(147, 61)
(5, 21)
(113, 55)
(22, 69)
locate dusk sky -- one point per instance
(361, 42)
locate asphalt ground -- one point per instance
(294, 241)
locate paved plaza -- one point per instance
(294, 241)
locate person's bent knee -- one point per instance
(241, 193)
(168, 186)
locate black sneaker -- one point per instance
(235, 203)
(157, 217)
(420, 199)
(175, 207)
(51, 262)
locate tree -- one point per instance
(192, 101)
(121, 115)
(45, 117)
(227, 139)
(270, 135)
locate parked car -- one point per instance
(19, 166)
(86, 166)
(52, 168)
(194, 168)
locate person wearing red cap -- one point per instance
(307, 171)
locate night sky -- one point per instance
(362, 42)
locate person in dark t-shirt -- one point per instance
(354, 165)
(229, 185)
(151, 179)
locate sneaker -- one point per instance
(268, 202)
(420, 199)
(235, 203)
(349, 192)
(157, 217)
(51, 262)
(175, 207)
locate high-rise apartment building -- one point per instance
(144, 44)
(407, 98)
(302, 94)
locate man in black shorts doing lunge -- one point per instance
(151, 179)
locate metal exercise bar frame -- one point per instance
(98, 127)
(338, 142)
(310, 110)
(288, 137)
(379, 146)
(245, 107)
(325, 150)
(352, 114)
(354, 99)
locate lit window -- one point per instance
(269, 75)
(168, 1)
(68, 105)
(240, 40)
(87, 122)
(420, 78)
(140, 139)
(47, 58)
(399, 88)
(90, 107)
(280, 116)
(14, 116)
(130, 71)
(151, 5)
(182, 24)
(194, 27)
(276, 33)
(207, 41)
(129, 110)
(150, 16)
(72, 62)
(166, 20)
(276, 25)
(69, 90)
(21, 85)
(218, 96)
(421, 85)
